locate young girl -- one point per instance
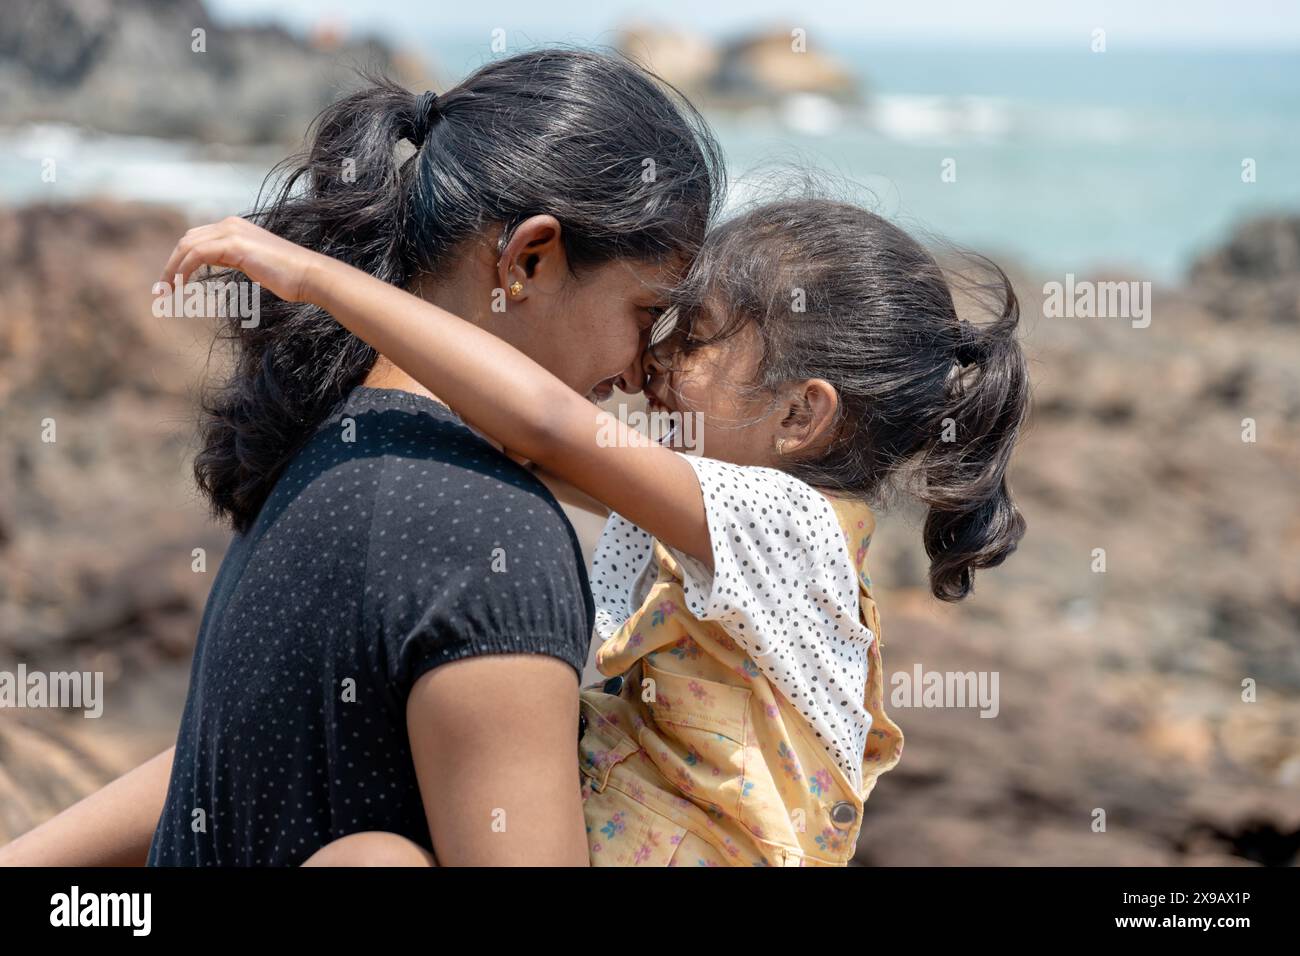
(820, 350)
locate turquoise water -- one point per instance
(1065, 160)
(1077, 159)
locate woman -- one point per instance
(384, 648)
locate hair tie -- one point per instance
(969, 349)
(426, 114)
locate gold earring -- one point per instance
(516, 287)
(780, 445)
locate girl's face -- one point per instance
(730, 419)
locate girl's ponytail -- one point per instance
(973, 522)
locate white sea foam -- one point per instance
(954, 120)
(195, 177)
(940, 119)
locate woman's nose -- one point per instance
(632, 378)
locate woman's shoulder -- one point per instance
(412, 433)
(392, 466)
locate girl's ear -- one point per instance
(534, 259)
(808, 418)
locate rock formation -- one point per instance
(1119, 691)
(102, 63)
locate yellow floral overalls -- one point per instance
(691, 757)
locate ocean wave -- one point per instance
(942, 120)
(206, 181)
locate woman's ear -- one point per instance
(808, 417)
(534, 260)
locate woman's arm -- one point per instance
(112, 827)
(493, 739)
(490, 384)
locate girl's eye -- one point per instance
(690, 340)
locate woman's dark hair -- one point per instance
(840, 294)
(626, 165)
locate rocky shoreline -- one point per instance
(101, 65)
(1119, 691)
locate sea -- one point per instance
(1064, 160)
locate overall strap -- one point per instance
(885, 740)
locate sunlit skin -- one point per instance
(736, 422)
(588, 328)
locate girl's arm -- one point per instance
(112, 827)
(566, 494)
(490, 384)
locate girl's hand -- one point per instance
(274, 263)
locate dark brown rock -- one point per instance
(101, 63)
(1118, 691)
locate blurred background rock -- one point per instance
(1119, 690)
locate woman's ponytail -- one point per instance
(346, 197)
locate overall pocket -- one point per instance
(621, 829)
(702, 726)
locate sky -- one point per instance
(1194, 24)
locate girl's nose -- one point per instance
(650, 365)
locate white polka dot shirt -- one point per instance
(783, 586)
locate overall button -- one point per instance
(843, 814)
(582, 726)
(614, 685)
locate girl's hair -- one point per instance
(840, 294)
(560, 132)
